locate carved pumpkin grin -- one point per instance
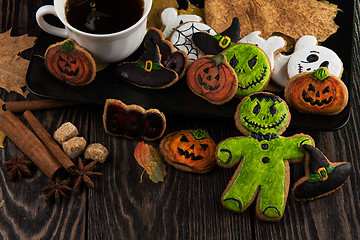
(186, 154)
(315, 102)
(207, 87)
(68, 72)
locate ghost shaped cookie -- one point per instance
(171, 19)
(272, 46)
(308, 56)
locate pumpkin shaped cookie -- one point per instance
(70, 63)
(187, 150)
(212, 78)
(317, 92)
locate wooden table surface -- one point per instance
(185, 205)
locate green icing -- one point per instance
(316, 177)
(219, 37)
(263, 115)
(320, 74)
(199, 134)
(154, 65)
(251, 65)
(68, 46)
(268, 177)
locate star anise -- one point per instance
(18, 166)
(56, 189)
(85, 174)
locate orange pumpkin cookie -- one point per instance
(317, 92)
(70, 63)
(187, 150)
(212, 78)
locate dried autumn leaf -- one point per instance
(12, 67)
(157, 7)
(2, 138)
(192, 10)
(2, 203)
(294, 18)
(150, 159)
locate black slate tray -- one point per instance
(178, 99)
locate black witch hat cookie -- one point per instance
(148, 72)
(174, 60)
(322, 177)
(213, 45)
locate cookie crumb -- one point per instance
(96, 152)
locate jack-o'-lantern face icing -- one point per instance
(70, 63)
(251, 66)
(264, 113)
(192, 151)
(317, 92)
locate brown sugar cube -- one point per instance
(74, 147)
(96, 152)
(65, 132)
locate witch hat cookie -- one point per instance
(148, 72)
(213, 45)
(322, 176)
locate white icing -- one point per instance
(181, 38)
(308, 57)
(279, 76)
(171, 19)
(269, 46)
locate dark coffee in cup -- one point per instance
(103, 16)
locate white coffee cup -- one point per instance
(105, 48)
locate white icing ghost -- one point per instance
(307, 57)
(181, 38)
(269, 46)
(171, 20)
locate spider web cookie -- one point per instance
(181, 38)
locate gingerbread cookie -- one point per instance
(322, 177)
(212, 78)
(251, 65)
(181, 38)
(171, 59)
(188, 150)
(212, 45)
(264, 154)
(307, 57)
(148, 72)
(70, 63)
(317, 92)
(171, 19)
(272, 46)
(132, 121)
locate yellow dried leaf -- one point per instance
(2, 203)
(150, 159)
(294, 18)
(192, 10)
(154, 19)
(12, 67)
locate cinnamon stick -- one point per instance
(49, 141)
(36, 105)
(28, 143)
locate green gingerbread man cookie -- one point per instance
(264, 169)
(252, 67)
